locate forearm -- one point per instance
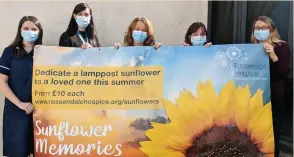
(280, 68)
(274, 57)
(7, 93)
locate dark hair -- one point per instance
(193, 28)
(18, 40)
(128, 39)
(90, 29)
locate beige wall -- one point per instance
(170, 20)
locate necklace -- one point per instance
(82, 39)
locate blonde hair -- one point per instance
(274, 34)
(128, 39)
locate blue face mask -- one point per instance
(198, 40)
(83, 21)
(30, 36)
(261, 35)
(139, 36)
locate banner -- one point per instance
(140, 102)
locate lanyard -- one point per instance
(80, 36)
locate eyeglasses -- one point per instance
(198, 34)
(261, 28)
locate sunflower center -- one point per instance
(223, 142)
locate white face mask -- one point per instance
(139, 36)
(83, 21)
(198, 40)
(30, 36)
(261, 35)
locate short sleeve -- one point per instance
(5, 61)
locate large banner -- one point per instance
(141, 102)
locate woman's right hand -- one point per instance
(116, 45)
(26, 106)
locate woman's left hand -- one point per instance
(37, 46)
(86, 46)
(269, 49)
(157, 45)
(208, 44)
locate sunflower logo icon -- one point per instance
(227, 58)
(221, 57)
(233, 53)
(231, 123)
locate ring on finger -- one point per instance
(30, 108)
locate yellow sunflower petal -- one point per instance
(241, 108)
(173, 154)
(153, 152)
(161, 132)
(179, 143)
(269, 134)
(260, 124)
(196, 114)
(165, 135)
(267, 146)
(172, 112)
(188, 93)
(222, 111)
(176, 116)
(206, 93)
(186, 101)
(159, 137)
(151, 145)
(153, 149)
(256, 102)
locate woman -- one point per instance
(139, 33)
(81, 31)
(265, 32)
(16, 68)
(196, 35)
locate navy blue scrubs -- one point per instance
(18, 133)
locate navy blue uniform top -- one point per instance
(17, 125)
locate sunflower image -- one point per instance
(231, 123)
